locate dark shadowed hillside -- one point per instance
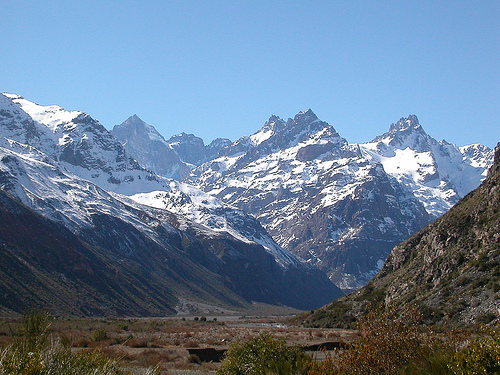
(450, 269)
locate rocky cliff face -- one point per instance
(450, 269)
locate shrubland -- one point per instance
(390, 342)
(386, 342)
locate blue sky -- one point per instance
(221, 68)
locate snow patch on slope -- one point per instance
(53, 116)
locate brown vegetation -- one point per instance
(165, 342)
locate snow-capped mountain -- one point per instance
(318, 196)
(293, 196)
(150, 149)
(339, 206)
(438, 173)
(173, 158)
(67, 167)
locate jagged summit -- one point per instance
(305, 117)
(405, 123)
(278, 134)
(406, 133)
(274, 118)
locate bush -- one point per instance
(482, 356)
(263, 355)
(389, 345)
(99, 335)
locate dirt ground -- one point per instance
(165, 342)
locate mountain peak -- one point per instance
(135, 120)
(411, 122)
(135, 125)
(275, 119)
(407, 132)
(134, 117)
(305, 117)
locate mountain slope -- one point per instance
(163, 250)
(54, 269)
(450, 269)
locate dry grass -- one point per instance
(163, 342)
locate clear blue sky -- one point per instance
(221, 68)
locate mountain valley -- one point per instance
(128, 223)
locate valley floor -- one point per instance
(141, 343)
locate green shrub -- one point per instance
(482, 356)
(263, 355)
(99, 335)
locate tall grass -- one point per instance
(35, 352)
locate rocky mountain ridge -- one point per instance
(294, 195)
(341, 206)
